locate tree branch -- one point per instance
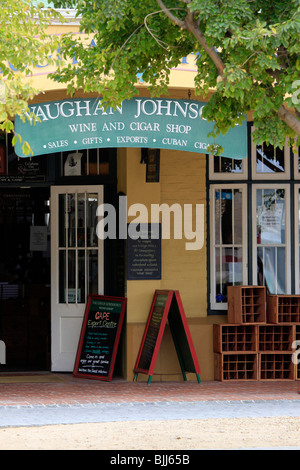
(291, 120)
(170, 15)
(193, 27)
(190, 25)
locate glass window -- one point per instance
(271, 239)
(269, 162)
(86, 162)
(269, 214)
(269, 159)
(14, 169)
(297, 239)
(228, 241)
(78, 246)
(227, 168)
(296, 153)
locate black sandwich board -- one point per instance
(166, 305)
(99, 337)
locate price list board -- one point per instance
(99, 337)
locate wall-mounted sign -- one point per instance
(83, 123)
(144, 253)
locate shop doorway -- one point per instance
(77, 266)
(25, 277)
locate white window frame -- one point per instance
(296, 166)
(270, 176)
(287, 244)
(243, 187)
(224, 175)
(297, 241)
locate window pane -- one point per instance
(226, 270)
(298, 222)
(93, 162)
(271, 237)
(219, 295)
(223, 216)
(71, 215)
(62, 276)
(217, 216)
(91, 219)
(93, 271)
(88, 162)
(228, 242)
(238, 213)
(78, 246)
(226, 213)
(81, 276)
(238, 266)
(62, 219)
(270, 216)
(295, 156)
(271, 269)
(71, 276)
(281, 287)
(260, 267)
(269, 159)
(229, 271)
(80, 220)
(227, 165)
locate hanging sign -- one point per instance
(99, 337)
(77, 124)
(166, 305)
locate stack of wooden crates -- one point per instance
(257, 343)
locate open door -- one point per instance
(76, 266)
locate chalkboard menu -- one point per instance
(99, 337)
(143, 252)
(166, 305)
(155, 322)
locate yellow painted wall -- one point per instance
(182, 176)
(182, 181)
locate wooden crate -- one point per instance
(276, 366)
(296, 350)
(283, 308)
(246, 304)
(276, 337)
(232, 337)
(236, 366)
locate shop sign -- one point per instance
(77, 124)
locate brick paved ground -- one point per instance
(67, 389)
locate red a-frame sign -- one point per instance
(166, 305)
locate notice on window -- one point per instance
(38, 238)
(270, 222)
(73, 164)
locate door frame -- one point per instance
(66, 318)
